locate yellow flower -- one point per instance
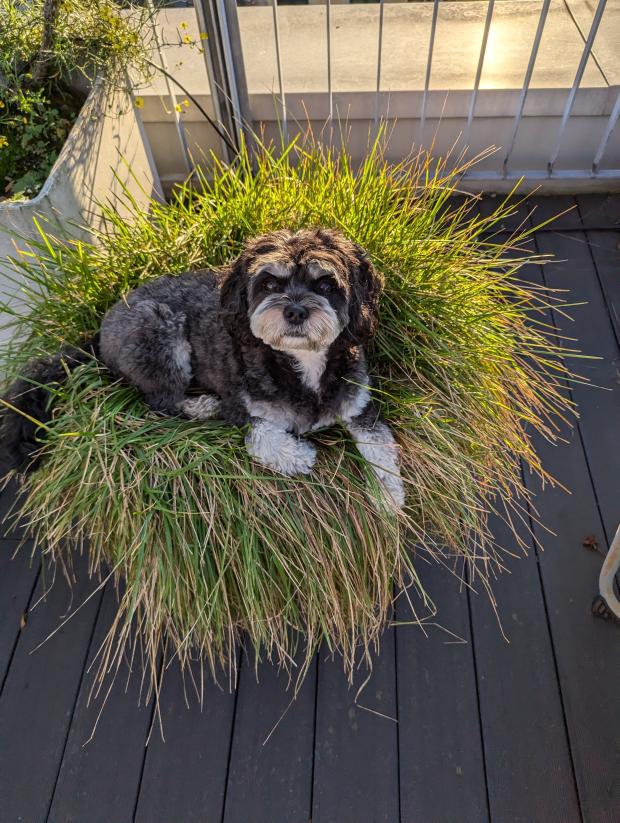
(3, 141)
(204, 35)
(139, 102)
(1, 104)
(183, 25)
(178, 108)
(185, 103)
(187, 38)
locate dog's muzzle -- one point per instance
(309, 323)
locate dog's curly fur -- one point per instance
(275, 340)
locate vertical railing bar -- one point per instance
(611, 125)
(483, 49)
(526, 82)
(189, 166)
(329, 62)
(230, 68)
(381, 8)
(276, 30)
(238, 67)
(429, 63)
(216, 70)
(587, 49)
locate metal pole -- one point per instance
(225, 68)
(429, 63)
(276, 34)
(483, 49)
(380, 47)
(526, 81)
(236, 63)
(587, 49)
(611, 125)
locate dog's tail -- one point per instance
(26, 406)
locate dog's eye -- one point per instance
(271, 283)
(324, 285)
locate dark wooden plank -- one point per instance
(560, 208)
(600, 210)
(356, 743)
(488, 204)
(11, 524)
(442, 775)
(528, 763)
(605, 250)
(529, 769)
(587, 650)
(39, 696)
(599, 405)
(185, 773)
(17, 578)
(270, 773)
(101, 768)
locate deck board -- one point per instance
(600, 210)
(185, 772)
(587, 650)
(442, 776)
(39, 696)
(525, 737)
(487, 729)
(17, 580)
(271, 759)
(356, 744)
(100, 772)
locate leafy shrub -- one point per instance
(38, 101)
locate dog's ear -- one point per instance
(366, 285)
(234, 297)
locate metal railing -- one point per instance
(227, 76)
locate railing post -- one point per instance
(225, 68)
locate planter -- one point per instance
(105, 156)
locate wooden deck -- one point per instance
(460, 731)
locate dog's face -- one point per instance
(301, 291)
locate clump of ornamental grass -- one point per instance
(212, 547)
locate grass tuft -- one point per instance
(212, 547)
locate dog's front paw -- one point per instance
(279, 450)
(301, 458)
(393, 489)
(377, 445)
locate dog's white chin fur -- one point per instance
(290, 342)
(300, 342)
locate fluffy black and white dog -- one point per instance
(275, 339)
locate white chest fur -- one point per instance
(310, 365)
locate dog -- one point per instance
(275, 339)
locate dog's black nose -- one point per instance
(295, 314)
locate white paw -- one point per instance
(377, 445)
(204, 407)
(280, 450)
(393, 488)
(299, 459)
